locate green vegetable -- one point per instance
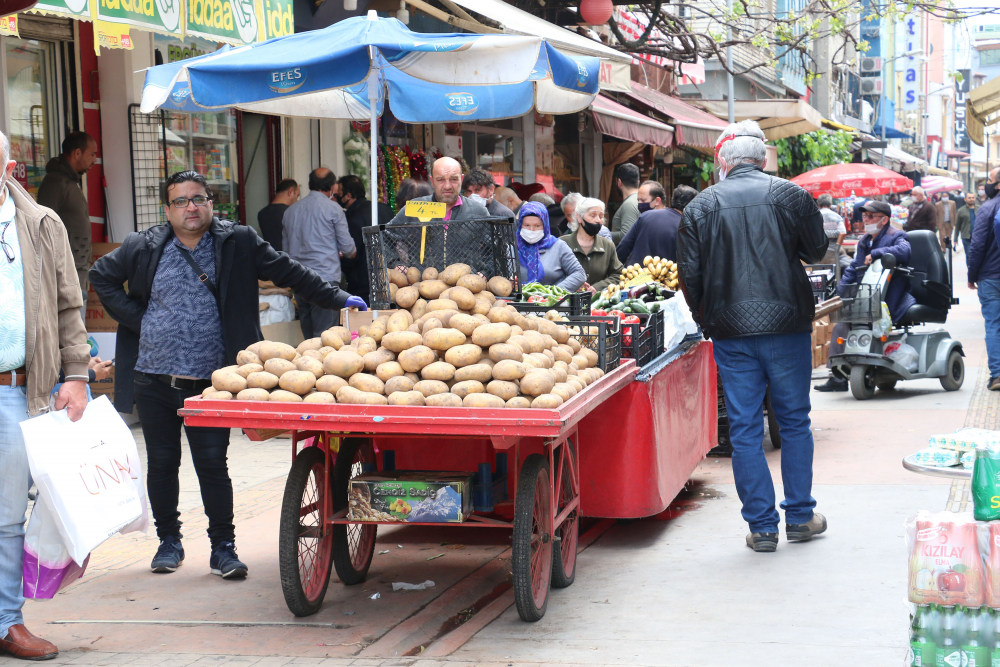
(639, 307)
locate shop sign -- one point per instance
(961, 92)
(113, 18)
(615, 76)
(232, 21)
(74, 9)
(279, 18)
(911, 73)
(8, 25)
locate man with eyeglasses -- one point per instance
(40, 333)
(191, 306)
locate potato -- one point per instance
(330, 384)
(315, 354)
(509, 370)
(488, 335)
(445, 316)
(375, 359)
(542, 359)
(536, 383)
(463, 297)
(441, 304)
(398, 383)
(452, 273)
(388, 370)
(412, 377)
(415, 328)
(319, 397)
(562, 334)
(245, 357)
(331, 338)
(482, 318)
(558, 373)
(398, 321)
(431, 387)
(463, 389)
(430, 273)
(365, 344)
(546, 327)
(309, 364)
(502, 314)
(366, 382)
(445, 400)
(550, 355)
(276, 351)
(218, 396)
(343, 363)
(414, 359)
(574, 382)
(310, 344)
(464, 323)
(413, 275)
(563, 391)
(247, 369)
(363, 330)
(505, 390)
(473, 282)
(590, 355)
(533, 361)
(406, 398)
(393, 288)
(516, 330)
(350, 395)
(262, 380)
(397, 278)
(479, 372)
(430, 323)
(482, 401)
(518, 402)
(439, 370)
(501, 351)
(535, 340)
(500, 286)
(379, 328)
(419, 308)
(431, 289)
(282, 396)
(560, 354)
(253, 394)
(299, 382)
(581, 361)
(550, 401)
(278, 366)
(407, 296)
(226, 380)
(463, 355)
(482, 307)
(443, 339)
(254, 349)
(575, 344)
(520, 341)
(398, 341)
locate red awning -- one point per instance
(620, 121)
(958, 154)
(693, 126)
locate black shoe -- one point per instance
(169, 556)
(762, 542)
(803, 532)
(225, 563)
(994, 384)
(833, 384)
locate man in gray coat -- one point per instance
(446, 178)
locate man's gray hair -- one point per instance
(746, 146)
(825, 201)
(572, 199)
(4, 150)
(917, 189)
(585, 205)
(542, 198)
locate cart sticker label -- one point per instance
(287, 80)
(462, 104)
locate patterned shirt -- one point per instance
(12, 327)
(181, 330)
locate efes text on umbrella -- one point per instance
(462, 104)
(287, 80)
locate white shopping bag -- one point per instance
(87, 472)
(47, 566)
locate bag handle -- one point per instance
(198, 271)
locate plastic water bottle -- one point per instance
(949, 652)
(974, 652)
(923, 650)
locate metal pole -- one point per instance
(372, 100)
(729, 64)
(881, 113)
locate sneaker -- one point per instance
(833, 384)
(994, 384)
(225, 563)
(762, 542)
(169, 556)
(803, 532)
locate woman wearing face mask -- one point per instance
(544, 258)
(595, 253)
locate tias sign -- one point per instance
(286, 80)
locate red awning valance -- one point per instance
(619, 121)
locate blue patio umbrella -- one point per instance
(346, 70)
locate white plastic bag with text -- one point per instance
(47, 566)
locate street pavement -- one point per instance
(679, 589)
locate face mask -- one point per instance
(872, 228)
(592, 228)
(721, 172)
(573, 225)
(532, 236)
(991, 190)
(644, 206)
(476, 198)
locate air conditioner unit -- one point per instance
(871, 85)
(871, 65)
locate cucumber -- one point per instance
(639, 307)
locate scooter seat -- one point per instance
(920, 314)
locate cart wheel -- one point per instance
(353, 545)
(564, 555)
(303, 543)
(532, 541)
(956, 372)
(863, 382)
(773, 430)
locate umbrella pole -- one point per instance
(372, 99)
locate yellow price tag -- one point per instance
(640, 279)
(425, 211)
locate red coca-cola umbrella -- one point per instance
(840, 180)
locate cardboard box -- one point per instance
(98, 319)
(414, 496)
(103, 345)
(284, 332)
(99, 250)
(354, 319)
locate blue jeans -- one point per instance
(15, 478)
(747, 366)
(989, 299)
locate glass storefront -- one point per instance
(497, 147)
(31, 80)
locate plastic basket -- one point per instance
(643, 341)
(576, 303)
(488, 245)
(602, 335)
(860, 304)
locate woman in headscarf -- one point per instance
(595, 253)
(544, 258)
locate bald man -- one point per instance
(922, 215)
(446, 178)
(508, 198)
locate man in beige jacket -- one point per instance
(947, 216)
(40, 333)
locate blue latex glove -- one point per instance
(357, 302)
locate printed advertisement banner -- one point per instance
(74, 9)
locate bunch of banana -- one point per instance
(632, 272)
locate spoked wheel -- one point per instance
(564, 552)
(353, 545)
(532, 541)
(955, 376)
(863, 382)
(304, 543)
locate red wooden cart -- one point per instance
(629, 460)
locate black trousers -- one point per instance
(158, 403)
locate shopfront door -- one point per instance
(32, 106)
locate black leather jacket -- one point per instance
(739, 249)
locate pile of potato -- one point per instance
(439, 352)
(470, 292)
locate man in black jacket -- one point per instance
(191, 306)
(359, 215)
(740, 249)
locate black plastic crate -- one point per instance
(643, 341)
(489, 246)
(575, 303)
(602, 335)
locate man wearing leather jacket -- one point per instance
(740, 249)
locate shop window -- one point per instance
(31, 94)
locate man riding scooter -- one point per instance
(880, 238)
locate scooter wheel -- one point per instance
(955, 373)
(863, 382)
